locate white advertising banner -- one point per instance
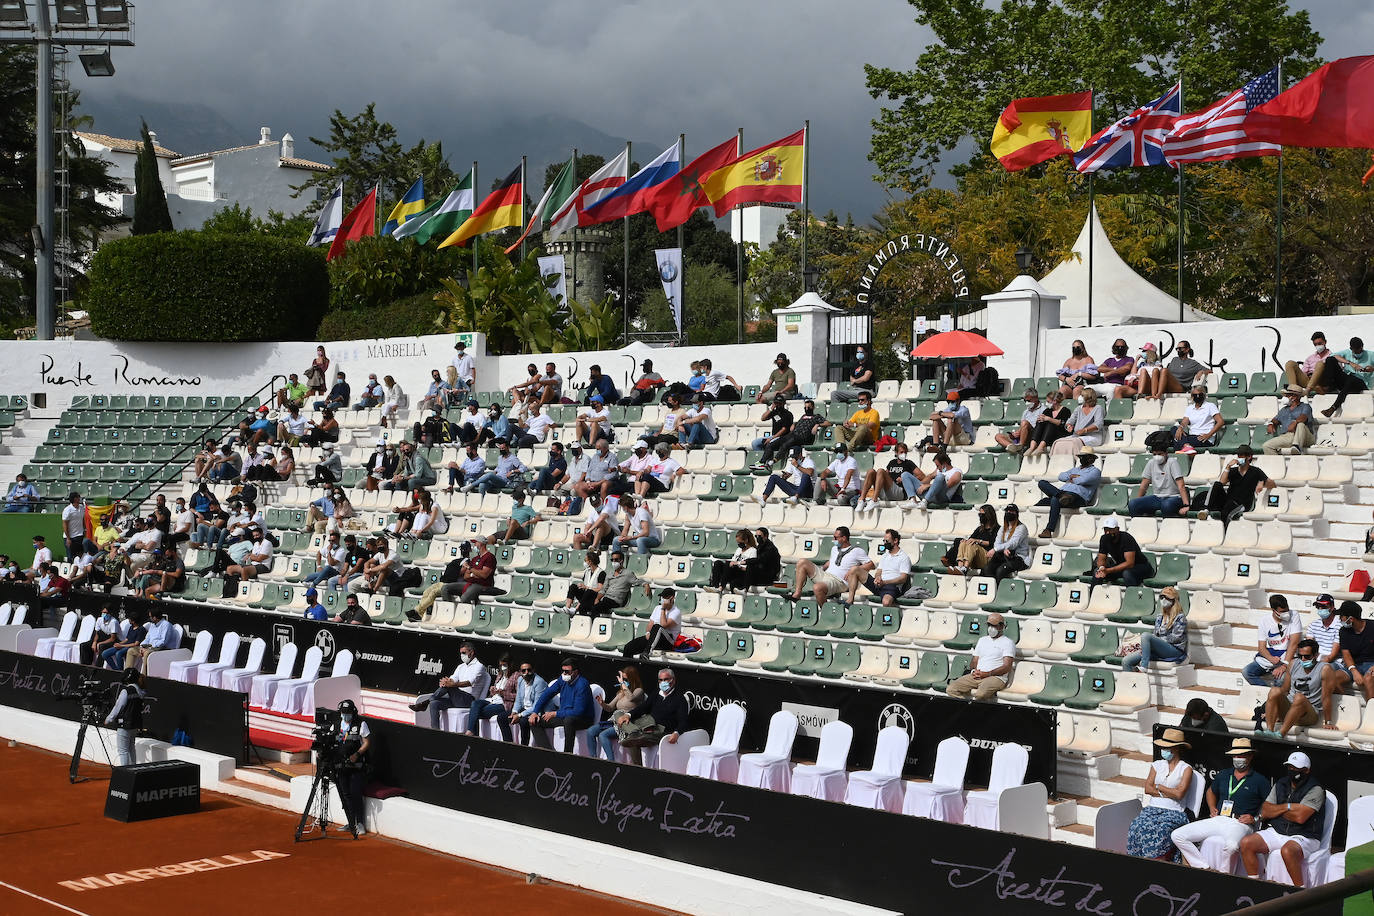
(554, 264)
(670, 272)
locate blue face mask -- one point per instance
(1166, 754)
(1308, 663)
(860, 354)
(665, 686)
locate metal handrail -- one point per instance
(1301, 901)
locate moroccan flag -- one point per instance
(1034, 130)
(448, 215)
(502, 209)
(673, 202)
(409, 206)
(1332, 107)
(554, 194)
(361, 221)
(771, 174)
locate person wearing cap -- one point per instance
(1293, 811)
(1168, 642)
(1016, 438)
(951, 424)
(1297, 697)
(782, 382)
(1119, 557)
(126, 717)
(797, 479)
(780, 425)
(1085, 426)
(1139, 381)
(1291, 427)
(313, 609)
(510, 472)
(840, 477)
(1347, 372)
(1078, 488)
(1356, 655)
(462, 369)
(339, 394)
(697, 427)
(257, 427)
(1234, 799)
(644, 387)
(989, 668)
(1162, 490)
(640, 529)
(940, 487)
(829, 582)
(1150, 835)
(1325, 628)
(863, 427)
(634, 469)
(329, 469)
(1306, 375)
(1234, 492)
(1277, 643)
(863, 377)
(594, 421)
(380, 465)
(1201, 424)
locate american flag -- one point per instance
(1218, 132)
(1136, 139)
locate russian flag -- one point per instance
(631, 197)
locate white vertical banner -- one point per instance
(670, 272)
(554, 265)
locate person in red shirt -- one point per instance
(478, 573)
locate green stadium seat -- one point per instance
(1010, 597)
(741, 647)
(1262, 383)
(538, 562)
(818, 656)
(538, 626)
(1120, 410)
(1233, 436)
(192, 402)
(1097, 687)
(1231, 383)
(1075, 565)
(1039, 596)
(1234, 409)
(1137, 606)
(844, 658)
(932, 672)
(992, 410)
(753, 611)
(971, 628)
(1100, 643)
(714, 645)
(1171, 569)
(1061, 683)
(791, 651)
(1112, 498)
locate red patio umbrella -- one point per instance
(956, 345)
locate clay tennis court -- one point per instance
(231, 857)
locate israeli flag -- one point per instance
(331, 216)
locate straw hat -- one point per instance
(1239, 747)
(1173, 737)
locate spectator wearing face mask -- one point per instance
(1086, 425)
(1200, 426)
(990, 667)
(951, 424)
(1278, 642)
(803, 433)
(1169, 640)
(782, 381)
(468, 683)
(1078, 371)
(1141, 379)
(1292, 811)
(1325, 628)
(1078, 488)
(528, 690)
(1015, 438)
(1161, 491)
(1197, 714)
(1117, 367)
(1291, 427)
(1306, 375)
(1181, 374)
(885, 483)
(862, 379)
(1346, 373)
(1166, 787)
(1234, 492)
(1297, 698)
(1355, 664)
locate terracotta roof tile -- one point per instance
(125, 146)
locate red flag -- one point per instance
(674, 201)
(1332, 107)
(361, 221)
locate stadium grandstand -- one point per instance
(1140, 599)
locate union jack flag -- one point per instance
(1137, 139)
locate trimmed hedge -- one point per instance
(410, 317)
(198, 286)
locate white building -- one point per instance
(758, 225)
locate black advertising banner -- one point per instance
(216, 720)
(410, 660)
(901, 863)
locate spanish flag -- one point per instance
(503, 208)
(410, 205)
(1034, 130)
(771, 174)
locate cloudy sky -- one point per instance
(464, 71)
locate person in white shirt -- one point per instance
(105, 635)
(664, 472)
(41, 554)
(462, 372)
(640, 528)
(600, 526)
(291, 427)
(139, 546)
(392, 396)
(714, 380)
(594, 422)
(665, 626)
(183, 524)
(887, 577)
(799, 480)
(634, 469)
(698, 427)
(844, 472)
(74, 524)
(468, 683)
(990, 670)
(828, 582)
(536, 428)
(258, 560)
(1201, 424)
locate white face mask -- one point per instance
(1081, 399)
(465, 657)
(347, 718)
(567, 678)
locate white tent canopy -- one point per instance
(1120, 295)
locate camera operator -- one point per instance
(355, 738)
(126, 717)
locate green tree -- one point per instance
(237, 219)
(375, 271)
(150, 200)
(710, 306)
(702, 243)
(509, 302)
(775, 277)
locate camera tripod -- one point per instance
(317, 805)
(80, 743)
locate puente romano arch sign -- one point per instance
(932, 245)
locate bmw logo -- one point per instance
(325, 641)
(898, 715)
(667, 271)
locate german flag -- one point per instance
(503, 208)
(771, 174)
(1036, 129)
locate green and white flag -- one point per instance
(444, 218)
(553, 198)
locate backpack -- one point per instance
(1160, 438)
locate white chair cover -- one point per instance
(772, 768)
(208, 674)
(827, 778)
(881, 787)
(200, 653)
(46, 643)
(1009, 763)
(262, 685)
(4, 614)
(673, 757)
(943, 797)
(70, 650)
(720, 758)
(343, 663)
(1314, 866)
(240, 680)
(580, 746)
(20, 612)
(1359, 829)
(289, 696)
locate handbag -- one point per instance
(642, 732)
(1129, 646)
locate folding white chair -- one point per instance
(70, 650)
(1314, 866)
(771, 769)
(46, 643)
(943, 797)
(720, 758)
(240, 680)
(881, 787)
(262, 686)
(181, 670)
(288, 693)
(5, 614)
(1009, 763)
(208, 674)
(672, 757)
(343, 664)
(581, 747)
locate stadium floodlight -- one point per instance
(97, 62)
(112, 12)
(13, 11)
(72, 12)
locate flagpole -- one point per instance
(574, 241)
(806, 191)
(522, 206)
(1278, 222)
(1092, 215)
(625, 263)
(682, 296)
(1181, 221)
(737, 216)
(474, 208)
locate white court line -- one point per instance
(44, 899)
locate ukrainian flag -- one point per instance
(410, 205)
